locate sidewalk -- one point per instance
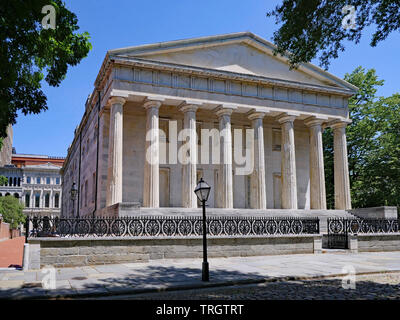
(11, 252)
(159, 275)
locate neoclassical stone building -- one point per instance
(36, 181)
(225, 82)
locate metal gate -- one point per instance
(338, 229)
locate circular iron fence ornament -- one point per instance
(169, 227)
(135, 227)
(271, 227)
(336, 226)
(297, 227)
(258, 227)
(185, 227)
(244, 227)
(63, 228)
(198, 227)
(118, 227)
(230, 227)
(284, 226)
(82, 227)
(215, 227)
(152, 227)
(100, 228)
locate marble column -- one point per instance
(341, 168)
(317, 172)
(115, 149)
(226, 179)
(189, 199)
(258, 197)
(288, 164)
(151, 192)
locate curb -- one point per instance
(66, 293)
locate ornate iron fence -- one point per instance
(177, 226)
(359, 225)
(340, 228)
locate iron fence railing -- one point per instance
(176, 226)
(362, 225)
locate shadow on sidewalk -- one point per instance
(158, 282)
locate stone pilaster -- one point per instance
(288, 164)
(114, 172)
(317, 172)
(226, 179)
(151, 188)
(341, 167)
(189, 199)
(258, 197)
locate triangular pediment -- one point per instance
(239, 53)
(47, 165)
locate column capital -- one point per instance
(117, 100)
(339, 123)
(315, 121)
(186, 107)
(224, 110)
(286, 117)
(152, 104)
(256, 115)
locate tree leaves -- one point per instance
(12, 211)
(312, 27)
(29, 54)
(373, 141)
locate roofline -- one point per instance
(36, 156)
(238, 36)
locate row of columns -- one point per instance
(257, 178)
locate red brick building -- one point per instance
(21, 160)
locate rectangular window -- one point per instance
(28, 180)
(56, 200)
(47, 200)
(27, 200)
(37, 200)
(48, 180)
(276, 139)
(38, 180)
(57, 180)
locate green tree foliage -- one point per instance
(373, 141)
(311, 27)
(11, 210)
(3, 180)
(29, 54)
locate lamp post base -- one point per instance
(205, 276)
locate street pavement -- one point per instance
(185, 274)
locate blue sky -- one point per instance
(121, 23)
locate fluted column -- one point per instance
(189, 199)
(151, 188)
(341, 167)
(288, 164)
(317, 172)
(226, 179)
(258, 197)
(114, 172)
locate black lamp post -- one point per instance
(73, 192)
(202, 192)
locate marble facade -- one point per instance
(222, 83)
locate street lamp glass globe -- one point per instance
(202, 190)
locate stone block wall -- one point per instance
(85, 251)
(378, 242)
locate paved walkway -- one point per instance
(11, 252)
(174, 274)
